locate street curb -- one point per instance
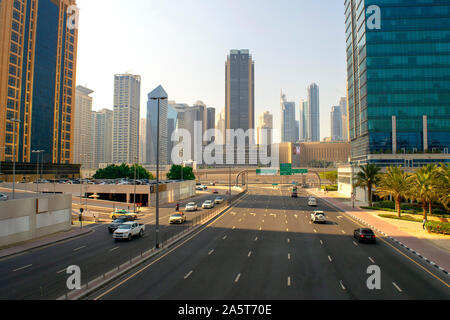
(390, 238)
(151, 253)
(47, 244)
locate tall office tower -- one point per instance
(313, 114)
(344, 110)
(220, 126)
(297, 130)
(398, 89)
(82, 132)
(303, 136)
(127, 95)
(240, 91)
(211, 118)
(143, 141)
(172, 116)
(201, 115)
(38, 55)
(102, 133)
(287, 119)
(265, 121)
(336, 123)
(152, 127)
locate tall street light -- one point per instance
(4, 148)
(14, 156)
(158, 94)
(37, 168)
(134, 199)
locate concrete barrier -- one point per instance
(26, 219)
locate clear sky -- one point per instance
(183, 44)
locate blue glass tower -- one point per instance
(398, 59)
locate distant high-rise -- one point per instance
(38, 57)
(220, 126)
(240, 91)
(102, 132)
(336, 124)
(82, 132)
(344, 111)
(143, 141)
(265, 121)
(287, 120)
(127, 95)
(211, 116)
(313, 114)
(297, 130)
(152, 127)
(302, 122)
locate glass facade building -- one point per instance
(37, 80)
(398, 59)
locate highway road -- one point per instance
(41, 273)
(266, 248)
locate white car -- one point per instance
(128, 230)
(178, 217)
(3, 197)
(219, 200)
(191, 206)
(312, 202)
(318, 216)
(208, 204)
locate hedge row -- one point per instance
(406, 218)
(438, 227)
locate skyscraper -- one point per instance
(303, 136)
(38, 55)
(211, 116)
(287, 120)
(313, 114)
(398, 90)
(127, 94)
(336, 124)
(82, 132)
(102, 132)
(344, 111)
(152, 127)
(265, 121)
(220, 126)
(239, 90)
(143, 141)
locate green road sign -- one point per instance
(266, 172)
(286, 169)
(300, 171)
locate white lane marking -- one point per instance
(321, 242)
(224, 237)
(355, 243)
(211, 252)
(115, 248)
(249, 254)
(188, 275)
(289, 256)
(256, 239)
(288, 240)
(240, 220)
(329, 258)
(260, 228)
(343, 231)
(342, 285)
(397, 287)
(371, 260)
(315, 230)
(340, 217)
(79, 248)
(287, 229)
(289, 281)
(237, 278)
(234, 227)
(21, 268)
(263, 221)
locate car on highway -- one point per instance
(121, 213)
(116, 223)
(208, 204)
(312, 202)
(198, 188)
(219, 200)
(128, 230)
(178, 217)
(365, 235)
(294, 193)
(3, 197)
(191, 206)
(318, 216)
(215, 192)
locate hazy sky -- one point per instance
(183, 44)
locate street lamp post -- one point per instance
(160, 96)
(134, 198)
(37, 169)
(4, 148)
(14, 156)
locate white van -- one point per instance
(312, 202)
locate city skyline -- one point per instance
(327, 69)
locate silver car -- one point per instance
(191, 206)
(3, 197)
(318, 216)
(208, 204)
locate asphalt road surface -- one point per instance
(266, 248)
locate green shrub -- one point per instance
(405, 218)
(330, 188)
(438, 227)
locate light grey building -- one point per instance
(82, 127)
(344, 106)
(127, 96)
(313, 114)
(303, 136)
(287, 120)
(102, 128)
(336, 124)
(152, 127)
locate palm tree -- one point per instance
(367, 178)
(443, 185)
(394, 183)
(423, 187)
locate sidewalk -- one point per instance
(432, 247)
(44, 241)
